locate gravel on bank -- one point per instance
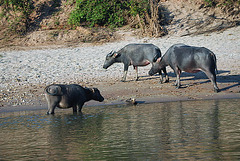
(84, 63)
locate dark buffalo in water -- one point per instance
(181, 57)
(136, 55)
(67, 96)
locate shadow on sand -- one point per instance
(45, 10)
(201, 75)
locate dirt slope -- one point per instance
(193, 17)
(50, 27)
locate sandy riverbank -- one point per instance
(24, 73)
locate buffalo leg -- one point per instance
(136, 68)
(125, 72)
(166, 75)
(212, 76)
(124, 76)
(79, 106)
(161, 77)
(51, 107)
(178, 84)
(74, 109)
(178, 73)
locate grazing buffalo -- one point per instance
(136, 55)
(67, 96)
(181, 57)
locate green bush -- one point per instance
(227, 3)
(106, 12)
(17, 12)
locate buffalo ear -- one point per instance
(159, 59)
(90, 90)
(95, 90)
(111, 53)
(115, 55)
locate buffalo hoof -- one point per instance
(166, 81)
(178, 86)
(52, 113)
(216, 90)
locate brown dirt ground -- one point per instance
(146, 90)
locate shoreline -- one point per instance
(25, 73)
(139, 101)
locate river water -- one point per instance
(191, 130)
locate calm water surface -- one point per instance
(206, 130)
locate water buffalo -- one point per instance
(181, 57)
(136, 55)
(67, 96)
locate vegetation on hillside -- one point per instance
(106, 12)
(17, 13)
(221, 3)
(143, 14)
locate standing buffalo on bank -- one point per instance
(67, 96)
(136, 55)
(181, 57)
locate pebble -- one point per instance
(84, 64)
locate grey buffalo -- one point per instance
(181, 57)
(136, 55)
(67, 96)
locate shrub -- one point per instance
(17, 12)
(227, 3)
(106, 12)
